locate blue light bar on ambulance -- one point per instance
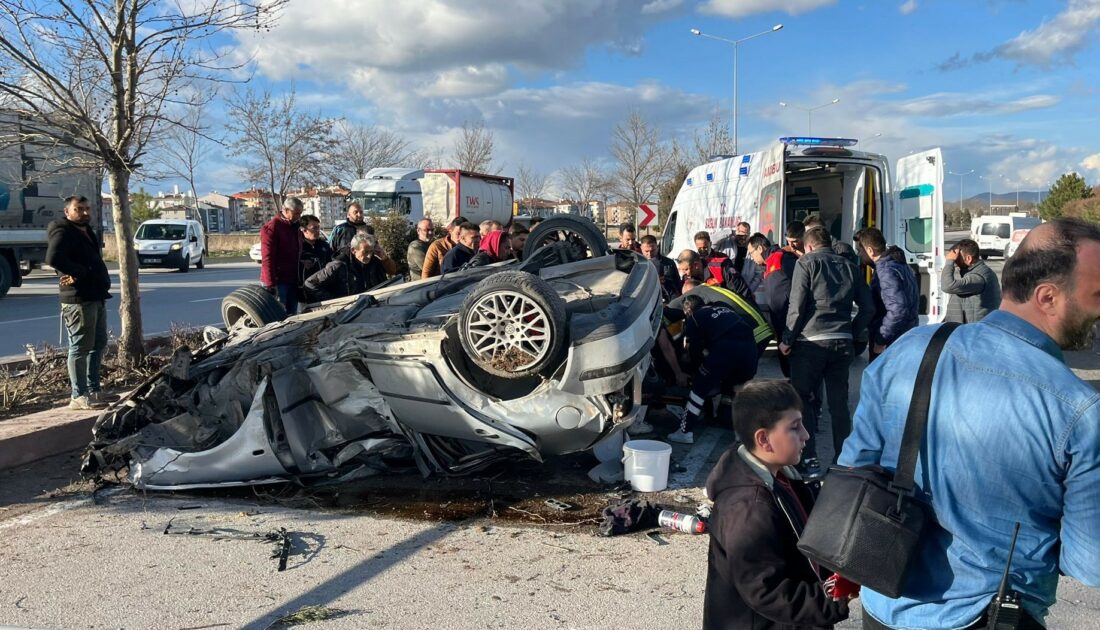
(820, 142)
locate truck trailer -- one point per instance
(34, 183)
(436, 194)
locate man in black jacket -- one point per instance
(826, 290)
(756, 577)
(364, 268)
(74, 252)
(463, 250)
(316, 252)
(342, 234)
(667, 273)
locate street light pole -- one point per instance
(735, 43)
(809, 112)
(989, 179)
(961, 175)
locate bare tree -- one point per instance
(530, 184)
(281, 145)
(183, 148)
(584, 183)
(359, 148)
(473, 150)
(99, 78)
(642, 160)
(714, 140)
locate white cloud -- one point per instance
(1059, 38)
(908, 7)
(741, 8)
(338, 37)
(1062, 36)
(1092, 163)
(958, 104)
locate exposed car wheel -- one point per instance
(202, 260)
(251, 306)
(586, 239)
(6, 278)
(984, 256)
(513, 325)
(185, 264)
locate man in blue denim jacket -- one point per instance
(1013, 440)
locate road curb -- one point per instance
(43, 434)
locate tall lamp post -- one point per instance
(810, 112)
(989, 178)
(734, 43)
(961, 175)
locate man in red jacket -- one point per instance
(280, 250)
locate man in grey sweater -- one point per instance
(974, 289)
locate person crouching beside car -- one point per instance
(363, 268)
(756, 577)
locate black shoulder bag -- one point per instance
(866, 522)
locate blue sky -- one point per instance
(1007, 87)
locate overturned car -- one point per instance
(516, 359)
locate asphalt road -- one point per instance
(31, 314)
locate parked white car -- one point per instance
(254, 253)
(172, 243)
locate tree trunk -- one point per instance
(131, 344)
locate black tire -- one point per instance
(984, 256)
(202, 260)
(589, 241)
(252, 304)
(6, 277)
(522, 356)
(185, 265)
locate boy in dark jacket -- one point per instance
(756, 577)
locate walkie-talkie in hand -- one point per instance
(1004, 611)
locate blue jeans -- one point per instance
(288, 295)
(87, 326)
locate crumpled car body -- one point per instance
(346, 389)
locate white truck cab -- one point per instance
(172, 243)
(848, 189)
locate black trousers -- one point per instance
(728, 364)
(814, 363)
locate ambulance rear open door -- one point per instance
(918, 207)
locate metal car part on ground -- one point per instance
(511, 360)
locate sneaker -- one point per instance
(682, 437)
(639, 428)
(83, 403)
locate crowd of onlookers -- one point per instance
(299, 265)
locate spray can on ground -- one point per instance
(687, 523)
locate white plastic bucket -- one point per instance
(645, 464)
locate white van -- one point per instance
(849, 189)
(995, 233)
(172, 243)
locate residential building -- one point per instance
(255, 207)
(329, 204)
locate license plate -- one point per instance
(152, 260)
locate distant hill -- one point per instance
(1026, 196)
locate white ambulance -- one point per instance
(848, 189)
